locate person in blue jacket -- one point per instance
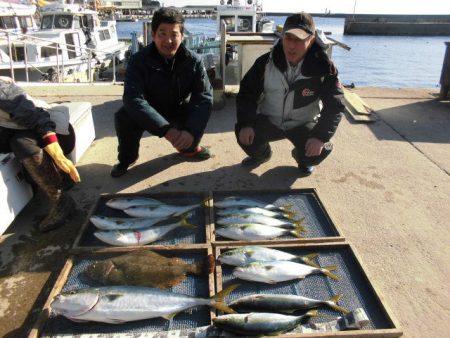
(292, 92)
(166, 93)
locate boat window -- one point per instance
(26, 21)
(50, 50)
(7, 22)
(229, 21)
(245, 24)
(47, 22)
(104, 35)
(63, 21)
(77, 22)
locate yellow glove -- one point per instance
(66, 165)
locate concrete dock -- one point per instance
(386, 186)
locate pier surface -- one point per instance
(386, 186)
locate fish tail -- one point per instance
(300, 228)
(332, 303)
(312, 313)
(327, 271)
(308, 259)
(185, 223)
(297, 232)
(204, 202)
(219, 299)
(287, 208)
(298, 221)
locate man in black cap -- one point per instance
(291, 92)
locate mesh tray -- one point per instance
(180, 235)
(352, 284)
(193, 285)
(305, 202)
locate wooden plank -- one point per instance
(357, 108)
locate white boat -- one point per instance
(17, 18)
(71, 44)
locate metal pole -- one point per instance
(114, 68)
(10, 56)
(26, 61)
(57, 63)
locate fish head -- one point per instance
(75, 303)
(99, 271)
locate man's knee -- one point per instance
(300, 158)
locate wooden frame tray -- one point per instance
(318, 222)
(180, 237)
(72, 277)
(353, 284)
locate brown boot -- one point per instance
(44, 173)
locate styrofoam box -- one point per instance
(82, 122)
(15, 191)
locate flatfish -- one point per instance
(146, 268)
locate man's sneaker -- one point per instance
(255, 161)
(120, 169)
(201, 153)
(306, 170)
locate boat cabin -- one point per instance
(17, 18)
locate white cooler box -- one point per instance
(15, 191)
(82, 122)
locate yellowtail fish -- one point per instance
(260, 323)
(283, 303)
(252, 253)
(120, 304)
(259, 219)
(251, 232)
(139, 236)
(233, 201)
(272, 272)
(256, 211)
(160, 210)
(124, 223)
(122, 203)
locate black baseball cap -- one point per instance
(300, 25)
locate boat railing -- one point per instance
(15, 37)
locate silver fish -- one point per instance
(122, 203)
(250, 232)
(139, 236)
(283, 303)
(160, 210)
(124, 223)
(256, 211)
(119, 304)
(233, 201)
(259, 219)
(272, 272)
(259, 323)
(252, 253)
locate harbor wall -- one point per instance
(408, 25)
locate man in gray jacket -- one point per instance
(281, 96)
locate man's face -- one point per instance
(294, 48)
(168, 38)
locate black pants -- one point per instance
(266, 132)
(26, 143)
(129, 134)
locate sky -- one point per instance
(339, 6)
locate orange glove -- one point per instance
(53, 148)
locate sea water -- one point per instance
(381, 61)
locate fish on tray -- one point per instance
(120, 304)
(159, 210)
(251, 232)
(252, 253)
(124, 223)
(139, 236)
(260, 323)
(122, 203)
(146, 268)
(272, 272)
(233, 201)
(259, 219)
(283, 303)
(256, 211)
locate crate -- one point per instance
(180, 237)
(72, 277)
(318, 223)
(353, 283)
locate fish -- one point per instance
(260, 323)
(159, 210)
(283, 303)
(146, 268)
(259, 219)
(272, 272)
(124, 223)
(122, 203)
(120, 304)
(250, 232)
(252, 253)
(139, 236)
(233, 201)
(255, 210)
